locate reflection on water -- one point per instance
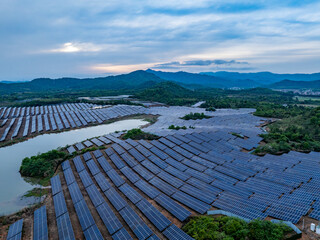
(13, 186)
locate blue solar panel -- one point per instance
(147, 189)
(122, 234)
(129, 160)
(60, 206)
(138, 156)
(167, 142)
(202, 195)
(68, 175)
(170, 179)
(15, 229)
(75, 192)
(116, 200)
(102, 182)
(140, 229)
(159, 162)
(175, 233)
(84, 215)
(199, 175)
(191, 202)
(118, 148)
(65, 230)
(40, 227)
(117, 161)
(16, 237)
(174, 208)
(55, 184)
(93, 233)
(143, 172)
(145, 152)
(97, 153)
(95, 195)
(93, 167)
(162, 186)
(115, 178)
(131, 175)
(176, 164)
(151, 167)
(109, 219)
(104, 164)
(177, 173)
(87, 156)
(130, 193)
(153, 237)
(65, 165)
(85, 178)
(78, 163)
(153, 214)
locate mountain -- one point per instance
(204, 80)
(263, 78)
(289, 84)
(134, 80)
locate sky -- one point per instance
(77, 38)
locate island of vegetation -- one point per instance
(231, 228)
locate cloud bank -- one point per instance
(87, 38)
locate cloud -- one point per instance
(70, 47)
(191, 63)
(66, 38)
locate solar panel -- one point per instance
(122, 234)
(138, 156)
(65, 230)
(153, 237)
(84, 215)
(40, 227)
(85, 178)
(199, 194)
(170, 179)
(162, 186)
(177, 173)
(115, 178)
(68, 175)
(65, 165)
(129, 160)
(143, 172)
(95, 195)
(191, 202)
(109, 219)
(55, 184)
(102, 182)
(140, 229)
(93, 233)
(87, 156)
(130, 193)
(175, 233)
(97, 153)
(75, 192)
(93, 167)
(60, 206)
(151, 167)
(78, 163)
(153, 214)
(116, 200)
(132, 176)
(174, 208)
(15, 229)
(104, 164)
(16, 237)
(147, 189)
(117, 161)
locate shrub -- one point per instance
(137, 134)
(195, 116)
(42, 165)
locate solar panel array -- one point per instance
(39, 119)
(132, 184)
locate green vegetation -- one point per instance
(300, 131)
(137, 134)
(195, 116)
(42, 165)
(37, 192)
(173, 127)
(231, 228)
(237, 135)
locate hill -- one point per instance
(204, 80)
(289, 84)
(263, 78)
(134, 80)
